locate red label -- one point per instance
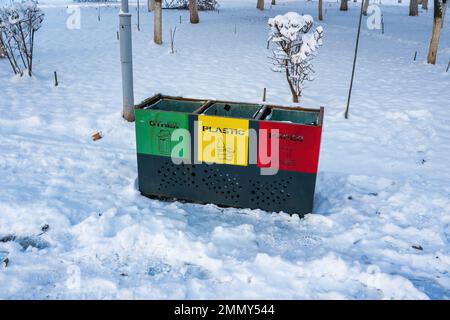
(298, 146)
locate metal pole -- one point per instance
(126, 59)
(354, 61)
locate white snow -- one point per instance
(383, 184)
(289, 24)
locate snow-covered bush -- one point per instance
(295, 46)
(202, 5)
(18, 24)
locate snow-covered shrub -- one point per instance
(295, 46)
(202, 5)
(18, 24)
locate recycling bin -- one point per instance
(157, 118)
(228, 153)
(233, 110)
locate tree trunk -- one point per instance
(293, 92)
(366, 6)
(321, 10)
(193, 11)
(444, 7)
(413, 8)
(151, 5)
(399, 1)
(260, 5)
(157, 29)
(425, 4)
(436, 33)
(274, 2)
(2, 50)
(291, 86)
(344, 5)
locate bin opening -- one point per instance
(233, 110)
(176, 105)
(292, 115)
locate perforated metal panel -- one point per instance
(272, 192)
(225, 185)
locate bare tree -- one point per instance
(321, 10)
(344, 5)
(193, 12)
(366, 7)
(18, 25)
(425, 4)
(444, 7)
(273, 2)
(151, 5)
(413, 8)
(260, 5)
(436, 33)
(2, 50)
(172, 40)
(202, 5)
(295, 47)
(157, 31)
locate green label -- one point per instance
(155, 133)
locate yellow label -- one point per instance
(222, 140)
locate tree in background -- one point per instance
(295, 47)
(18, 24)
(150, 5)
(413, 8)
(202, 5)
(366, 7)
(444, 7)
(439, 13)
(344, 5)
(425, 4)
(260, 4)
(157, 29)
(2, 50)
(321, 10)
(193, 12)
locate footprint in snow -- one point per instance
(4, 258)
(158, 268)
(27, 241)
(196, 271)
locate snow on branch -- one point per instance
(295, 45)
(202, 5)
(18, 23)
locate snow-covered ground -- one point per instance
(383, 184)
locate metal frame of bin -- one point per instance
(239, 183)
